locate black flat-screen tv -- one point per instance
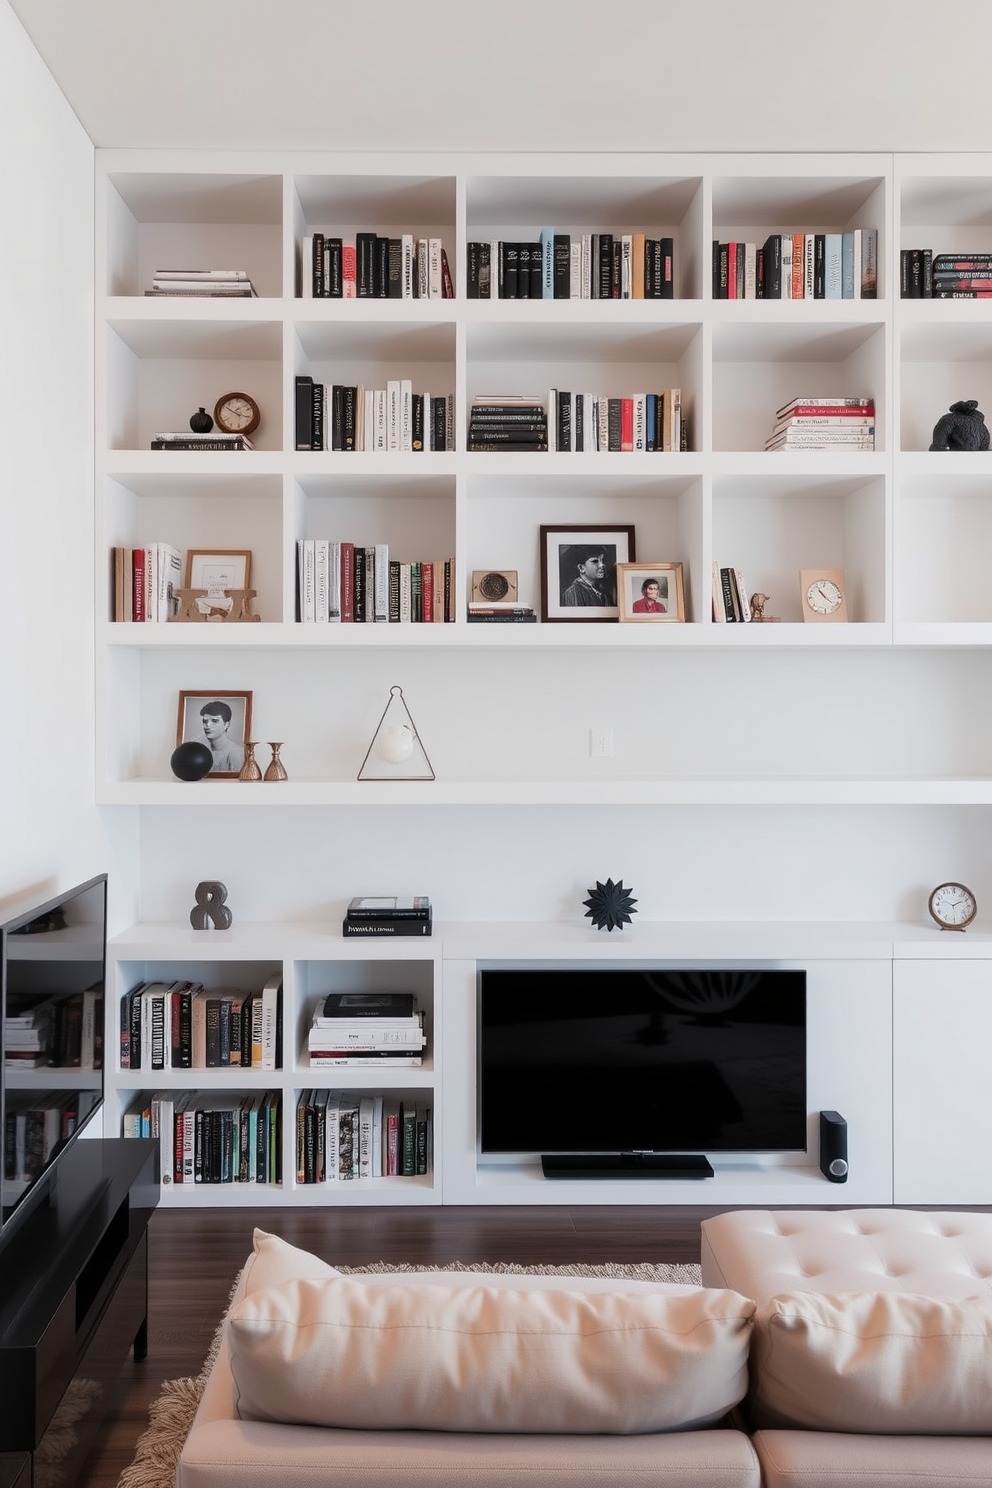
(641, 1073)
(52, 976)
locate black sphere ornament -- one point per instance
(610, 905)
(963, 428)
(201, 422)
(191, 761)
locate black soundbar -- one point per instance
(626, 1165)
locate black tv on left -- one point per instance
(53, 958)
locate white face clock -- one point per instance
(952, 906)
(823, 596)
(822, 591)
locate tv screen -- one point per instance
(642, 1061)
(52, 971)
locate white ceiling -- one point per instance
(516, 74)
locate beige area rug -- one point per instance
(171, 1415)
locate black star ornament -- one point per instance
(610, 905)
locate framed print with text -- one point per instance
(579, 570)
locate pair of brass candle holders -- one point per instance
(251, 770)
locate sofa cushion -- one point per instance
(879, 1362)
(336, 1352)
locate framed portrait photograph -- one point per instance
(222, 721)
(579, 571)
(218, 570)
(650, 592)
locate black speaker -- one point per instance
(833, 1146)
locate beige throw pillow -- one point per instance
(335, 1352)
(879, 1362)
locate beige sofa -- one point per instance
(223, 1450)
(871, 1360)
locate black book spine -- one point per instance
(605, 266)
(337, 417)
(562, 266)
(536, 271)
(617, 268)
(652, 268)
(317, 267)
(523, 271)
(564, 430)
(317, 420)
(304, 413)
(394, 591)
(365, 256)
(715, 286)
(439, 433)
(359, 586)
(508, 275)
(213, 1032)
(667, 268)
(486, 270)
(578, 420)
(773, 267)
(380, 268)
(472, 267)
(349, 395)
(394, 278)
(819, 266)
(185, 1056)
(417, 421)
(333, 272)
(613, 426)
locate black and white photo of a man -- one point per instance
(221, 721)
(587, 575)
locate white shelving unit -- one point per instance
(909, 528)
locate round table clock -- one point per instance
(952, 906)
(237, 413)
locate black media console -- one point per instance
(73, 1301)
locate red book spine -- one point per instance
(347, 581)
(627, 425)
(731, 271)
(831, 410)
(447, 286)
(427, 591)
(138, 584)
(349, 271)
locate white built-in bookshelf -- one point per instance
(909, 528)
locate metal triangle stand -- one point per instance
(395, 744)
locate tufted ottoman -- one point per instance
(945, 1256)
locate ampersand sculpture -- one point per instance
(210, 906)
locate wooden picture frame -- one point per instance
(218, 569)
(225, 728)
(650, 593)
(574, 587)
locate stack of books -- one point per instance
(371, 1029)
(185, 439)
(202, 283)
(388, 914)
(925, 275)
(484, 613)
(28, 1034)
(824, 423)
(508, 423)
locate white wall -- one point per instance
(51, 834)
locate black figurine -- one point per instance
(963, 428)
(610, 904)
(211, 906)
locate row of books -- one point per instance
(567, 266)
(343, 1135)
(202, 283)
(925, 275)
(183, 1025)
(31, 1132)
(824, 423)
(209, 1137)
(145, 581)
(338, 416)
(348, 583)
(63, 1031)
(730, 599)
(186, 439)
(368, 1028)
(579, 423)
(373, 267)
(798, 266)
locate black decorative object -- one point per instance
(201, 422)
(963, 428)
(192, 760)
(210, 906)
(610, 905)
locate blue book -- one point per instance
(651, 421)
(832, 271)
(547, 263)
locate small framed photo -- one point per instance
(222, 720)
(218, 570)
(649, 592)
(579, 571)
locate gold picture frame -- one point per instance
(650, 593)
(222, 721)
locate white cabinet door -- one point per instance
(942, 1079)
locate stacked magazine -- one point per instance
(824, 423)
(210, 284)
(370, 1029)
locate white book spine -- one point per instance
(365, 1137)
(405, 597)
(586, 247)
(381, 582)
(626, 267)
(306, 267)
(320, 580)
(552, 420)
(547, 263)
(603, 423)
(331, 1173)
(393, 414)
(640, 400)
(435, 279)
(406, 252)
(406, 414)
(377, 1134)
(575, 270)
(334, 583)
(857, 263)
(750, 271)
(786, 267)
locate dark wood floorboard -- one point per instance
(194, 1256)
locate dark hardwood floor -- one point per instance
(196, 1254)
